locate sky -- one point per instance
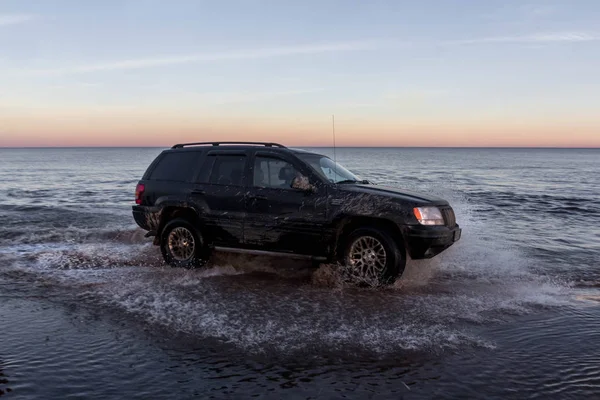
(456, 73)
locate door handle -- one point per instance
(198, 191)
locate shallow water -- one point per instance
(510, 311)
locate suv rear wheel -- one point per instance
(182, 245)
(370, 256)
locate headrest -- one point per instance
(286, 173)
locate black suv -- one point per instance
(265, 198)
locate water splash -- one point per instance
(261, 304)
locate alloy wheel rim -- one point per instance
(368, 257)
(181, 244)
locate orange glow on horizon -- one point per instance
(147, 130)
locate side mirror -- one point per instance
(302, 183)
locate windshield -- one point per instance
(326, 168)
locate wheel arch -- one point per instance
(170, 212)
(348, 224)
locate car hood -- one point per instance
(397, 193)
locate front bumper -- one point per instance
(428, 241)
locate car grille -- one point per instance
(449, 217)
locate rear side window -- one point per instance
(227, 169)
(176, 166)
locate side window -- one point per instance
(273, 173)
(178, 166)
(227, 169)
(206, 169)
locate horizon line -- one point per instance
(316, 147)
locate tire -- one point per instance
(371, 257)
(182, 245)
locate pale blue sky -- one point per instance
(460, 60)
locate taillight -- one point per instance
(139, 191)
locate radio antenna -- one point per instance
(334, 158)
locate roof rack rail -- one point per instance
(267, 144)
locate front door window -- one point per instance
(274, 173)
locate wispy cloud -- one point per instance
(210, 57)
(309, 49)
(411, 95)
(14, 19)
(521, 14)
(75, 85)
(541, 10)
(534, 38)
(230, 98)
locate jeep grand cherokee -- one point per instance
(265, 198)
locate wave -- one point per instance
(73, 235)
(538, 202)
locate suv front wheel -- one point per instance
(372, 257)
(182, 245)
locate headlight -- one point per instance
(429, 215)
